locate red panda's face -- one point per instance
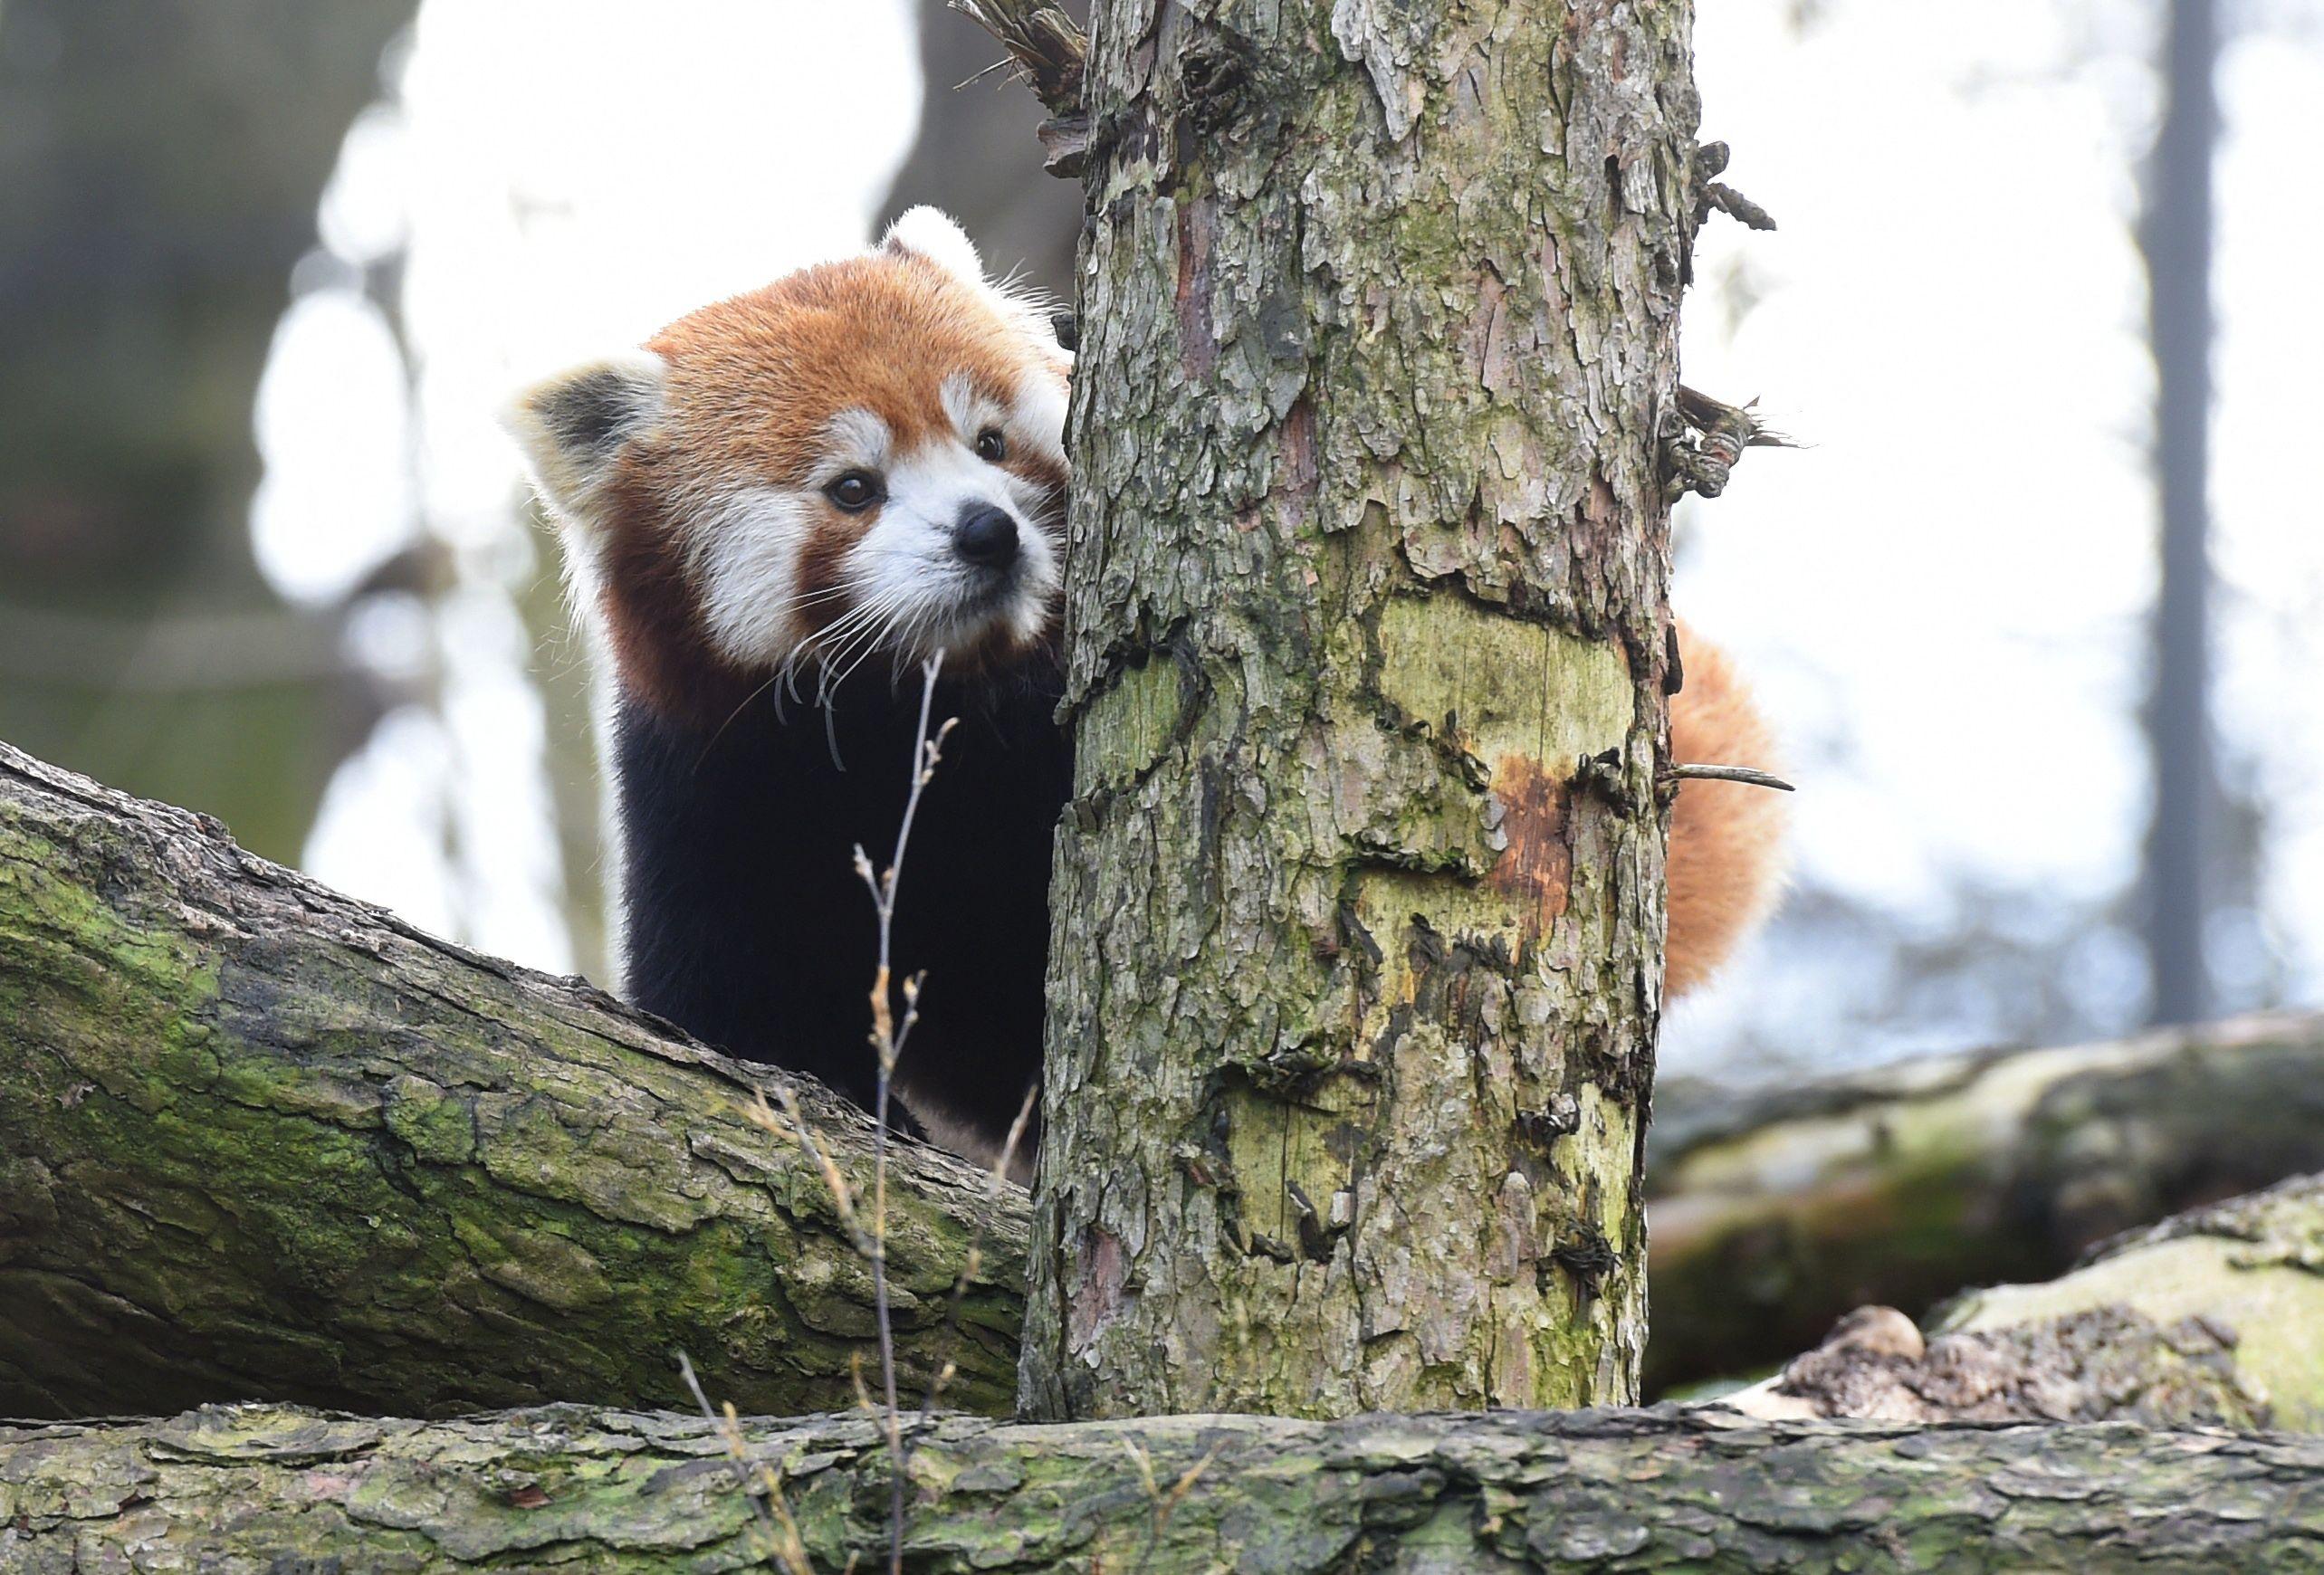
(861, 462)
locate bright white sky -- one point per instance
(1941, 600)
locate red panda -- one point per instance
(772, 514)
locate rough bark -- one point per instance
(1770, 1217)
(1356, 965)
(2213, 1318)
(258, 1140)
(233, 1489)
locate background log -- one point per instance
(259, 1489)
(1773, 1216)
(257, 1140)
(2214, 1317)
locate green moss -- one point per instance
(244, 1159)
(435, 1125)
(1124, 731)
(1500, 687)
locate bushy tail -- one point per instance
(1726, 864)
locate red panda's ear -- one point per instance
(937, 237)
(573, 427)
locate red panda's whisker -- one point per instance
(782, 673)
(865, 626)
(883, 635)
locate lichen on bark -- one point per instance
(272, 1490)
(1356, 962)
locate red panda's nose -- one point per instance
(986, 536)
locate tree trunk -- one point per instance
(254, 1489)
(1356, 964)
(1773, 1216)
(2176, 236)
(258, 1140)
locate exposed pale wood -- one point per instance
(2214, 1317)
(1772, 1215)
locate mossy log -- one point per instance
(260, 1140)
(257, 1141)
(1772, 1217)
(258, 1489)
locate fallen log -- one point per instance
(1773, 1216)
(257, 1140)
(261, 1488)
(261, 1141)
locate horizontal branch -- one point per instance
(257, 1140)
(1774, 1216)
(261, 1488)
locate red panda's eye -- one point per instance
(855, 491)
(991, 446)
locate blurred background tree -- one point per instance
(159, 166)
(970, 158)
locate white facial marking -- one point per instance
(853, 440)
(903, 586)
(1039, 421)
(969, 411)
(744, 550)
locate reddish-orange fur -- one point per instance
(877, 333)
(752, 383)
(1724, 863)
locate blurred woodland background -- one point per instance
(268, 266)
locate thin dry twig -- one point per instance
(776, 1523)
(972, 1264)
(1164, 1504)
(891, 1032)
(889, 1036)
(792, 1124)
(1182, 1487)
(1044, 45)
(1750, 776)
